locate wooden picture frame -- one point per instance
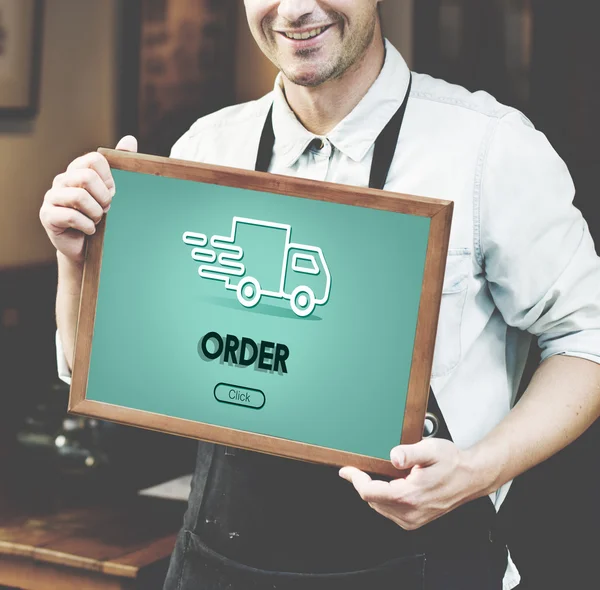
(439, 214)
(20, 57)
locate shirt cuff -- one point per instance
(64, 373)
(584, 355)
(583, 344)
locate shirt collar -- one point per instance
(356, 133)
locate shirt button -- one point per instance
(317, 143)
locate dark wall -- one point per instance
(27, 358)
(565, 92)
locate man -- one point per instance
(521, 263)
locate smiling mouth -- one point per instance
(305, 34)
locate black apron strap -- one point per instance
(383, 156)
(266, 145)
(385, 146)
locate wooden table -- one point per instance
(125, 545)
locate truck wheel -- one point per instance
(248, 292)
(302, 301)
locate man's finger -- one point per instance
(423, 453)
(88, 179)
(370, 490)
(96, 162)
(359, 479)
(78, 199)
(128, 144)
(62, 219)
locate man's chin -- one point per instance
(306, 77)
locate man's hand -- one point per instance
(72, 208)
(78, 200)
(560, 403)
(439, 479)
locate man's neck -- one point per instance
(321, 108)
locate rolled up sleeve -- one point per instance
(64, 373)
(535, 246)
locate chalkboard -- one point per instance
(276, 314)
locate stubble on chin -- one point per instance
(309, 74)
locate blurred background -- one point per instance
(79, 74)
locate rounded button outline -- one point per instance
(233, 403)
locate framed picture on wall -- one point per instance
(20, 53)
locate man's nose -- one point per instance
(293, 10)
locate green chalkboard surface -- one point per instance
(287, 316)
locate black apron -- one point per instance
(290, 516)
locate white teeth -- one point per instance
(307, 35)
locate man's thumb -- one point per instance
(407, 456)
(128, 144)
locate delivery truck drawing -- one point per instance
(259, 259)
